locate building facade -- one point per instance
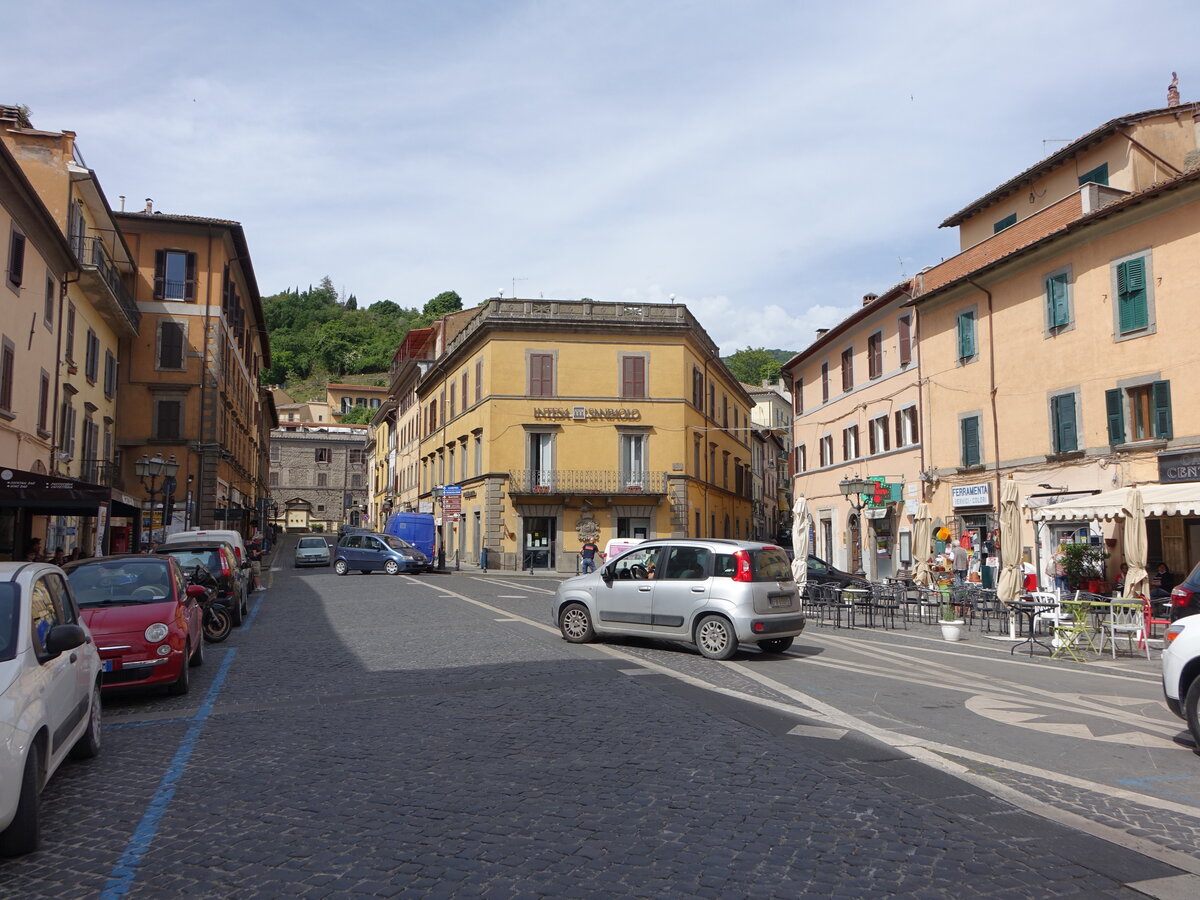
(318, 477)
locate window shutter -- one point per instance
(171, 346)
(899, 429)
(16, 259)
(160, 273)
(1132, 313)
(966, 335)
(189, 288)
(1057, 311)
(883, 430)
(916, 425)
(1162, 409)
(1116, 417)
(633, 377)
(905, 332)
(970, 441)
(871, 442)
(1065, 437)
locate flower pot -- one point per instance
(952, 631)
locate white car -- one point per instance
(49, 693)
(1181, 672)
(213, 534)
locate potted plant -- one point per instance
(951, 624)
(1081, 563)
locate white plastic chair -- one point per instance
(1052, 617)
(1127, 623)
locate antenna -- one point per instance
(514, 285)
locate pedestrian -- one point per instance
(1122, 575)
(587, 556)
(35, 547)
(255, 552)
(59, 557)
(1060, 574)
(959, 563)
(1164, 582)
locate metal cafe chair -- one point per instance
(886, 602)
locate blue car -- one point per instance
(369, 552)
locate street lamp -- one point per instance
(853, 489)
(149, 471)
(187, 512)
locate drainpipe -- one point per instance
(992, 390)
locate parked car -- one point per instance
(821, 572)
(371, 552)
(1181, 672)
(222, 534)
(713, 593)
(144, 617)
(49, 694)
(1185, 596)
(312, 551)
(220, 559)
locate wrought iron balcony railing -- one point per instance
(586, 481)
(93, 256)
(101, 471)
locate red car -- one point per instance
(144, 618)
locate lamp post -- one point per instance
(149, 470)
(187, 512)
(853, 489)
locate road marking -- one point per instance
(819, 731)
(1173, 887)
(636, 672)
(511, 597)
(509, 584)
(508, 620)
(124, 873)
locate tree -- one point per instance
(358, 415)
(351, 302)
(445, 302)
(754, 366)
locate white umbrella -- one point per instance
(800, 522)
(1137, 579)
(922, 526)
(1008, 586)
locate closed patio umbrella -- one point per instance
(1137, 580)
(800, 523)
(1008, 586)
(922, 527)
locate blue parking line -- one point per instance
(254, 612)
(121, 879)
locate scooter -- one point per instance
(217, 620)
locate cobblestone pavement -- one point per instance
(375, 736)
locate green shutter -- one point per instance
(1066, 437)
(1058, 312)
(1116, 416)
(1132, 311)
(1162, 409)
(966, 335)
(1099, 175)
(970, 441)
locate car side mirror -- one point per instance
(196, 590)
(63, 638)
(606, 575)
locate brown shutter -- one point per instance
(160, 273)
(633, 377)
(905, 330)
(16, 261)
(189, 289)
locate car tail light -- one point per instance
(225, 570)
(238, 551)
(742, 559)
(1181, 598)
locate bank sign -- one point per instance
(583, 413)
(963, 495)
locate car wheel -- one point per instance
(23, 833)
(775, 645)
(575, 623)
(1191, 710)
(182, 684)
(238, 614)
(88, 744)
(391, 567)
(340, 567)
(715, 638)
(197, 657)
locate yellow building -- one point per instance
(547, 422)
(341, 398)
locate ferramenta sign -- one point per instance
(971, 495)
(587, 412)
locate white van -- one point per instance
(617, 546)
(232, 537)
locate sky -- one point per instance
(765, 162)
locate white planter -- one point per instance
(952, 631)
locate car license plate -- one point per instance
(108, 664)
(780, 599)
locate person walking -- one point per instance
(960, 563)
(587, 556)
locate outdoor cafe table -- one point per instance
(858, 598)
(1030, 609)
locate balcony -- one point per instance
(101, 282)
(587, 481)
(102, 471)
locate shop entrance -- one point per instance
(539, 542)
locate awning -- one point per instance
(1179, 499)
(50, 494)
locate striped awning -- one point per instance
(1181, 499)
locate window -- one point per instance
(321, 454)
(110, 374)
(847, 368)
(875, 355)
(712, 400)
(322, 479)
(1133, 308)
(69, 349)
(541, 374)
(465, 395)
(1007, 222)
(904, 334)
(276, 453)
(168, 419)
(971, 452)
(170, 345)
(43, 420)
(1058, 305)
(633, 377)
(906, 427)
(879, 437)
(8, 359)
(356, 456)
(478, 380)
(685, 564)
(798, 397)
(633, 460)
(541, 459)
(724, 411)
(91, 365)
(799, 459)
(16, 259)
(1098, 175)
(48, 309)
(697, 388)
(174, 275)
(462, 461)
(827, 450)
(696, 456)
(1140, 413)
(273, 479)
(966, 335)
(1062, 420)
(356, 480)
(850, 443)
(478, 454)
(825, 382)
(453, 401)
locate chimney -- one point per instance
(821, 332)
(1173, 91)
(149, 206)
(868, 298)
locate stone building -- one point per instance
(318, 476)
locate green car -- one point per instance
(312, 551)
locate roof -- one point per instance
(1054, 160)
(863, 312)
(357, 387)
(1178, 499)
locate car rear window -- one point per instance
(770, 565)
(189, 559)
(10, 620)
(313, 542)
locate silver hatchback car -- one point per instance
(710, 592)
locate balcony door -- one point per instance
(541, 461)
(633, 461)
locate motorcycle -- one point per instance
(217, 621)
